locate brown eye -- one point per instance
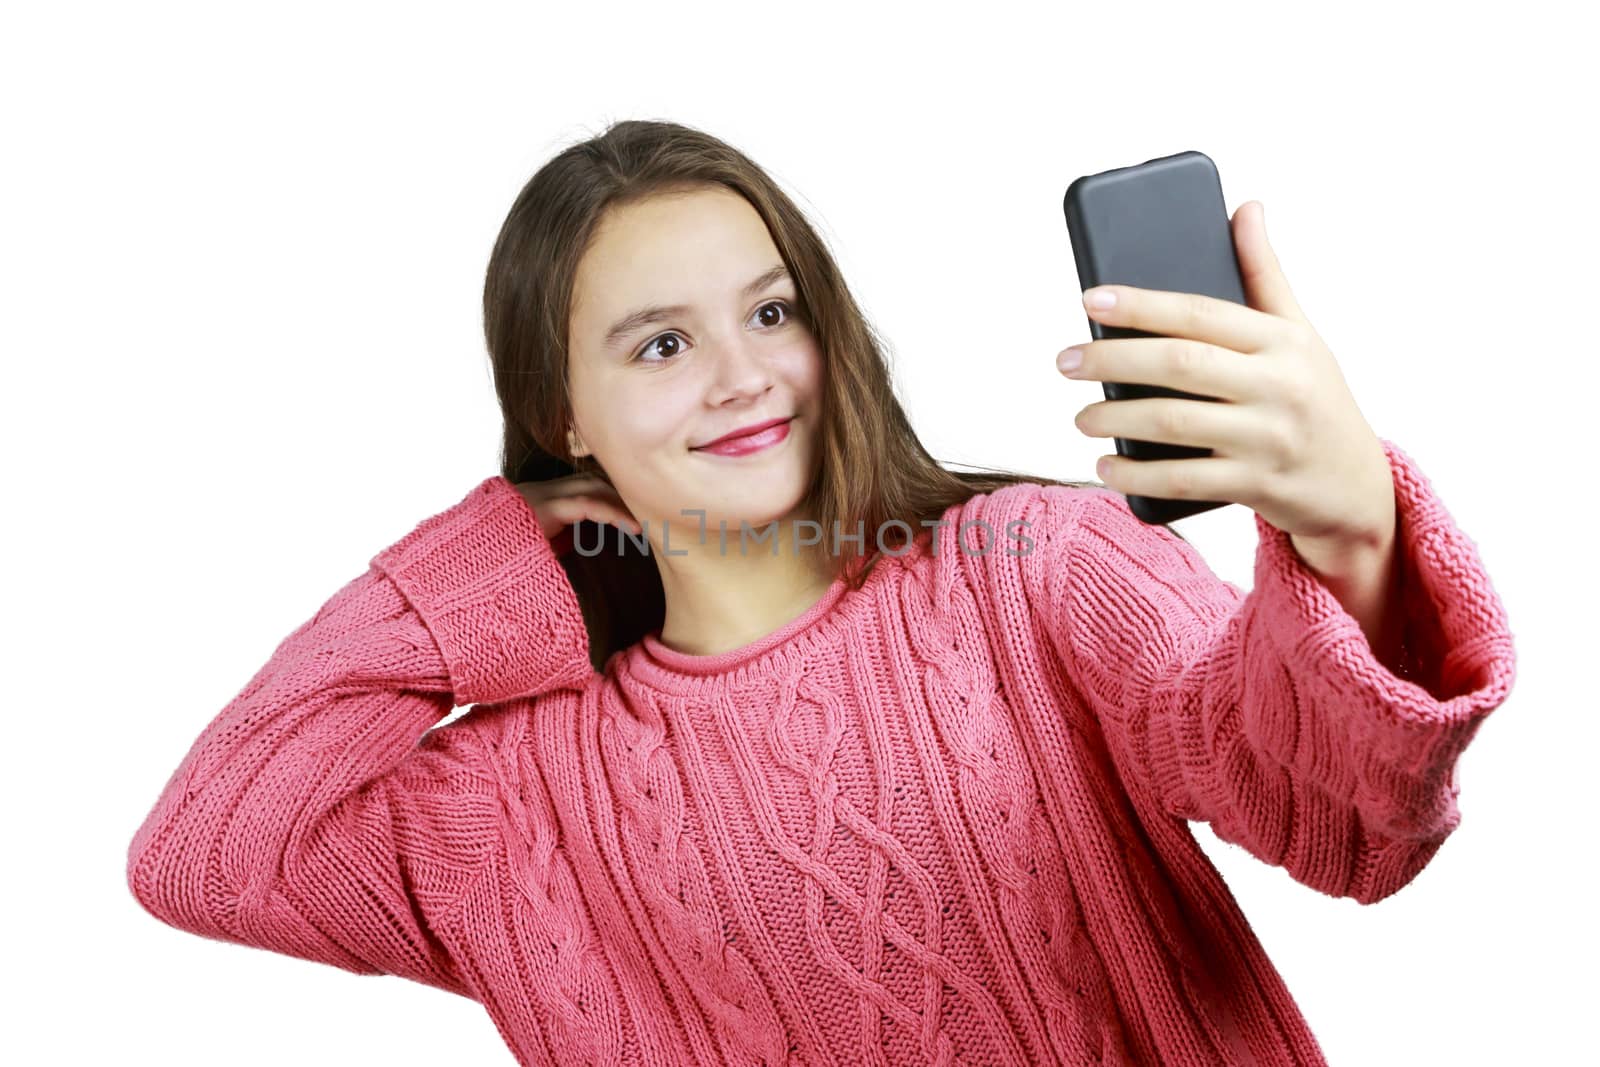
(788, 317)
(650, 345)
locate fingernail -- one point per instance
(1069, 360)
(1100, 298)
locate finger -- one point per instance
(567, 512)
(584, 481)
(602, 510)
(1178, 363)
(556, 515)
(1220, 426)
(1191, 315)
(1195, 478)
(591, 484)
(625, 520)
(1265, 284)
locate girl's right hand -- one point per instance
(560, 502)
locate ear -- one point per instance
(575, 444)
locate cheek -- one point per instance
(650, 418)
(801, 369)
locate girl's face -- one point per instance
(710, 356)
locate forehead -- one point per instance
(670, 246)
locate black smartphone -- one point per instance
(1160, 224)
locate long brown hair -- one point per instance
(872, 467)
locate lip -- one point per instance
(744, 444)
(744, 431)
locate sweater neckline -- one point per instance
(652, 662)
(717, 663)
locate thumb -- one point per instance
(1266, 288)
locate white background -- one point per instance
(243, 253)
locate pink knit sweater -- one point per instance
(942, 819)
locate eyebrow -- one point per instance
(655, 313)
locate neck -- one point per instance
(718, 599)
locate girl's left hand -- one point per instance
(1288, 440)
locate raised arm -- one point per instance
(1266, 714)
(313, 816)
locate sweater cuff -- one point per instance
(1458, 659)
(487, 583)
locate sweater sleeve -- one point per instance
(1266, 714)
(314, 816)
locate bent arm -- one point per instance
(314, 816)
(1267, 714)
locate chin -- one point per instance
(757, 498)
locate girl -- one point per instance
(789, 745)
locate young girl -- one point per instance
(789, 745)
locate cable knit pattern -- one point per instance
(943, 819)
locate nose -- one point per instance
(740, 369)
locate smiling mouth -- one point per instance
(738, 439)
(746, 444)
